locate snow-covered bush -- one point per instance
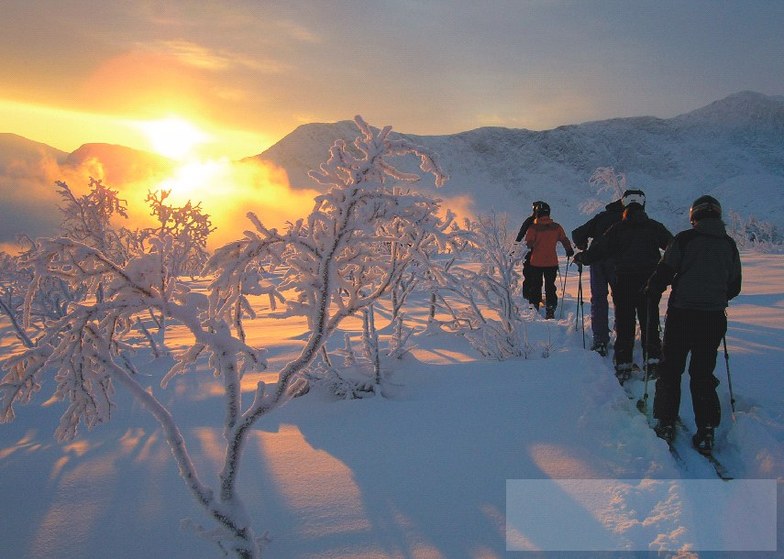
(181, 234)
(88, 218)
(358, 242)
(607, 185)
(13, 283)
(46, 304)
(88, 352)
(606, 179)
(480, 287)
(754, 234)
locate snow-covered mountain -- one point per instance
(732, 148)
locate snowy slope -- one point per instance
(423, 473)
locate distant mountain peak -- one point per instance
(120, 164)
(739, 108)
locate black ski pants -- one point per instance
(535, 278)
(631, 305)
(699, 333)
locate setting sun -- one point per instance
(173, 137)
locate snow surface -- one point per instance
(422, 473)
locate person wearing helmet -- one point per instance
(703, 266)
(602, 272)
(634, 244)
(520, 236)
(542, 237)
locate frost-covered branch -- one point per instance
(606, 179)
(358, 242)
(87, 349)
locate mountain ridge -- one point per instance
(732, 148)
(674, 159)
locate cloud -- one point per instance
(202, 57)
(226, 190)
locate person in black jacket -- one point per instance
(602, 272)
(703, 266)
(634, 243)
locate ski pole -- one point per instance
(729, 378)
(563, 287)
(642, 403)
(580, 303)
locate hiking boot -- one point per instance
(549, 312)
(665, 430)
(623, 372)
(703, 440)
(652, 366)
(600, 348)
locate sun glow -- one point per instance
(227, 190)
(173, 137)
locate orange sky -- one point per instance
(248, 72)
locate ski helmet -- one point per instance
(541, 208)
(633, 197)
(704, 206)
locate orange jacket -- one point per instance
(541, 238)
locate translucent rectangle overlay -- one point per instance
(641, 515)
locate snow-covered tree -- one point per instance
(46, 304)
(88, 350)
(181, 234)
(88, 218)
(13, 282)
(606, 179)
(607, 185)
(754, 234)
(480, 288)
(356, 244)
(337, 262)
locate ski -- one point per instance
(682, 432)
(718, 467)
(676, 455)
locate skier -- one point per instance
(602, 272)
(634, 243)
(542, 237)
(703, 266)
(527, 258)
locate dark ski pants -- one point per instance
(699, 333)
(632, 305)
(602, 275)
(538, 276)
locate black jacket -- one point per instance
(598, 224)
(703, 266)
(524, 228)
(633, 243)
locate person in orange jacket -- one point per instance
(542, 237)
